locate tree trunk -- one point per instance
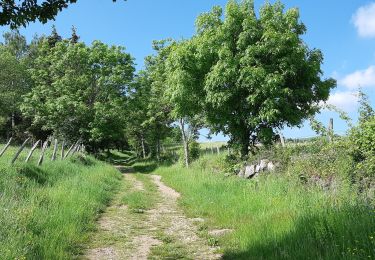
(13, 122)
(245, 143)
(185, 143)
(158, 149)
(143, 147)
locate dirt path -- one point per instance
(161, 232)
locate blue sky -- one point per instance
(343, 30)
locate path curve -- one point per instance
(124, 234)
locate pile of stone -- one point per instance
(251, 171)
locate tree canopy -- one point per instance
(248, 75)
(79, 90)
(243, 74)
(20, 13)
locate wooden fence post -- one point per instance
(42, 153)
(70, 149)
(282, 140)
(76, 148)
(218, 150)
(19, 151)
(330, 130)
(32, 151)
(62, 149)
(5, 147)
(83, 148)
(54, 151)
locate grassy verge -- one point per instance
(275, 217)
(47, 212)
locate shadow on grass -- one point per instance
(145, 168)
(34, 173)
(125, 158)
(339, 234)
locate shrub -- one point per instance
(363, 140)
(194, 152)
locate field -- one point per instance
(49, 212)
(46, 212)
(144, 178)
(275, 217)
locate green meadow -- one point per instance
(47, 212)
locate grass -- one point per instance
(204, 145)
(140, 200)
(169, 249)
(47, 212)
(275, 216)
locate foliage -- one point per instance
(362, 150)
(248, 76)
(328, 165)
(15, 81)
(275, 217)
(264, 75)
(20, 13)
(362, 141)
(79, 91)
(194, 151)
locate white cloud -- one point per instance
(359, 78)
(345, 100)
(364, 20)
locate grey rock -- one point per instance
(271, 166)
(249, 171)
(241, 173)
(257, 168)
(263, 164)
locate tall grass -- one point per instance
(275, 216)
(46, 212)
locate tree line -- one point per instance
(242, 73)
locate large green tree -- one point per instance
(264, 76)
(149, 109)
(80, 91)
(184, 90)
(15, 81)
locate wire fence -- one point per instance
(42, 147)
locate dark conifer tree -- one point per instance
(74, 38)
(54, 37)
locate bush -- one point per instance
(194, 152)
(363, 140)
(324, 167)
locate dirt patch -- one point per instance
(105, 253)
(155, 233)
(197, 220)
(136, 184)
(144, 244)
(180, 227)
(166, 191)
(220, 232)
